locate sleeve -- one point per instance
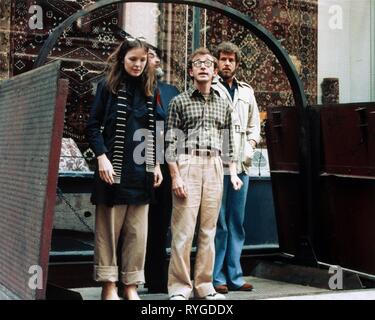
(158, 131)
(253, 122)
(173, 126)
(97, 114)
(228, 139)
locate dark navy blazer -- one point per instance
(167, 93)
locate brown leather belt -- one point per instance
(203, 152)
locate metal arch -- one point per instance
(259, 31)
(287, 65)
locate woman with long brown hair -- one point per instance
(121, 132)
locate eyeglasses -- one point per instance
(198, 63)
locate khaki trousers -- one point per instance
(204, 180)
(129, 222)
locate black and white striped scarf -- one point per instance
(119, 145)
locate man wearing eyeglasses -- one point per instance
(230, 233)
(199, 132)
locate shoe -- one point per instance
(177, 297)
(214, 296)
(245, 287)
(223, 288)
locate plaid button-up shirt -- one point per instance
(194, 122)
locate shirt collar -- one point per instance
(234, 85)
(193, 91)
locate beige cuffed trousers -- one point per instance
(204, 180)
(129, 221)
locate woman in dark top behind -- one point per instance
(121, 132)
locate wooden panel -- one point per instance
(348, 139)
(283, 138)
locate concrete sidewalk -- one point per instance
(264, 289)
(364, 294)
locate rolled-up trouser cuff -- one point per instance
(134, 277)
(105, 273)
